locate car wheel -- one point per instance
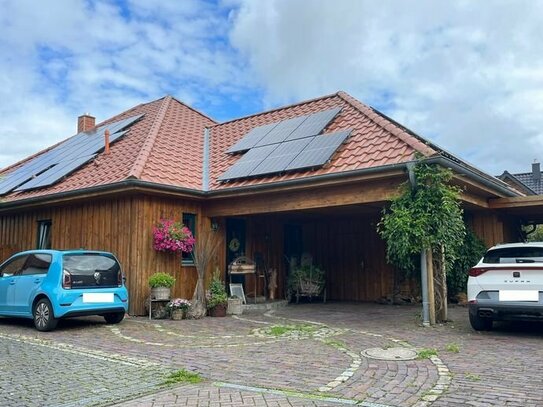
(44, 319)
(480, 324)
(114, 318)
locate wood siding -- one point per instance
(122, 226)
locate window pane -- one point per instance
(44, 234)
(37, 264)
(13, 267)
(189, 220)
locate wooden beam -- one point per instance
(319, 197)
(517, 202)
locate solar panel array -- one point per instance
(49, 167)
(290, 155)
(290, 129)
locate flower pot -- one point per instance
(234, 306)
(178, 314)
(218, 311)
(160, 293)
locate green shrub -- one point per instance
(161, 280)
(216, 293)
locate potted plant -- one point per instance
(217, 299)
(306, 281)
(161, 284)
(178, 307)
(234, 305)
(171, 236)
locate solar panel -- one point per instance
(319, 150)
(251, 138)
(281, 157)
(282, 131)
(314, 124)
(290, 129)
(247, 163)
(55, 173)
(58, 162)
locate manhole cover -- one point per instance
(390, 354)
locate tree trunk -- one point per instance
(444, 315)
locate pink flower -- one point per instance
(170, 236)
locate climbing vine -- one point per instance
(428, 216)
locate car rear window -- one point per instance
(514, 255)
(92, 270)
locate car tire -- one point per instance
(114, 317)
(480, 324)
(44, 318)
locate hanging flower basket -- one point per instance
(173, 237)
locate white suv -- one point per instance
(506, 284)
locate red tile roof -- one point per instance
(166, 146)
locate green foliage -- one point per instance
(183, 376)
(305, 273)
(426, 353)
(216, 293)
(472, 377)
(428, 216)
(468, 255)
(452, 347)
(161, 280)
(536, 235)
(280, 330)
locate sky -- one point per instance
(467, 75)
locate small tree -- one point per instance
(428, 217)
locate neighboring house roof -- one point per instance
(166, 147)
(525, 182)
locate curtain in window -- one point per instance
(44, 235)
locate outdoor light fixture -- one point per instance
(214, 225)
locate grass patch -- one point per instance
(334, 343)
(472, 377)
(183, 376)
(452, 347)
(280, 330)
(426, 353)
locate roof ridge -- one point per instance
(329, 96)
(194, 109)
(143, 155)
(391, 126)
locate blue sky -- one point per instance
(466, 75)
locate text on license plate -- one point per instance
(97, 297)
(519, 295)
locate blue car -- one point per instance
(47, 285)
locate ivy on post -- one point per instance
(426, 218)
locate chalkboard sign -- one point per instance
(237, 290)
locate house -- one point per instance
(311, 177)
(529, 183)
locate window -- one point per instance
(13, 267)
(526, 254)
(44, 234)
(36, 264)
(189, 220)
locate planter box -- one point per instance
(234, 306)
(218, 311)
(160, 293)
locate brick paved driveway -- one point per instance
(305, 355)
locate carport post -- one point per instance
(424, 280)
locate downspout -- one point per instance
(205, 162)
(423, 265)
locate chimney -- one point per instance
(536, 171)
(106, 141)
(85, 122)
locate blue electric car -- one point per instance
(47, 285)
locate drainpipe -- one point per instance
(423, 264)
(205, 161)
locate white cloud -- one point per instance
(467, 75)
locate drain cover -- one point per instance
(390, 354)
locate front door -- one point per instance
(8, 278)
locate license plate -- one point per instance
(519, 295)
(97, 297)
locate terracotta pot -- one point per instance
(218, 311)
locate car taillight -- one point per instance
(66, 280)
(119, 278)
(475, 271)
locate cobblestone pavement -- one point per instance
(303, 355)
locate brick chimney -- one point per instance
(536, 171)
(85, 122)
